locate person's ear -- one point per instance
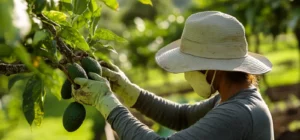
(218, 79)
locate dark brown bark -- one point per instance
(61, 46)
(8, 69)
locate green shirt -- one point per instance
(245, 116)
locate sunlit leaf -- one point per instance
(78, 22)
(66, 1)
(82, 20)
(53, 82)
(113, 4)
(79, 6)
(3, 84)
(57, 17)
(96, 13)
(94, 25)
(106, 34)
(39, 36)
(93, 5)
(99, 47)
(33, 100)
(102, 56)
(146, 2)
(110, 48)
(74, 38)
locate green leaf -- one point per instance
(6, 51)
(65, 5)
(74, 38)
(106, 34)
(99, 47)
(66, 1)
(39, 5)
(33, 100)
(52, 49)
(96, 13)
(113, 4)
(94, 25)
(79, 6)
(78, 22)
(15, 78)
(82, 20)
(49, 50)
(24, 57)
(102, 56)
(39, 36)
(146, 2)
(53, 82)
(93, 5)
(57, 17)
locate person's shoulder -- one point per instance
(235, 107)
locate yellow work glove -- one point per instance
(120, 84)
(96, 93)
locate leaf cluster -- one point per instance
(39, 36)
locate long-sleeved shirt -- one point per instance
(245, 116)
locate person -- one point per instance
(213, 55)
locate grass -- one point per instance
(51, 129)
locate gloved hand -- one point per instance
(96, 93)
(120, 84)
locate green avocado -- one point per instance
(91, 65)
(75, 70)
(39, 5)
(66, 90)
(73, 116)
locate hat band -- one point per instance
(225, 50)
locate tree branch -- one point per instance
(69, 55)
(61, 46)
(8, 69)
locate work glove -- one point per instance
(96, 93)
(120, 84)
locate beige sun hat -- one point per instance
(211, 41)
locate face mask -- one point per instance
(198, 82)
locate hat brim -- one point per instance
(173, 60)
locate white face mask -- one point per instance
(198, 82)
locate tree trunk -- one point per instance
(274, 45)
(297, 33)
(257, 43)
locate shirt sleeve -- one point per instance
(230, 122)
(170, 114)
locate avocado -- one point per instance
(73, 116)
(75, 70)
(39, 5)
(66, 90)
(91, 65)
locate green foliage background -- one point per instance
(128, 33)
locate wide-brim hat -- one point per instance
(211, 41)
